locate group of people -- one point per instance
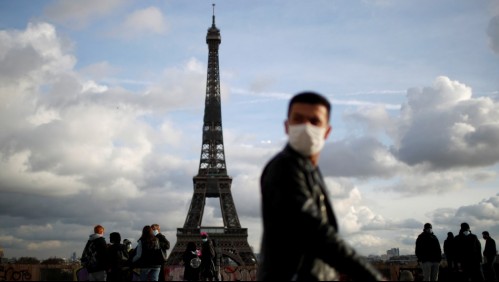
(462, 252)
(115, 261)
(202, 264)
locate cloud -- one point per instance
(142, 22)
(420, 181)
(32, 57)
(372, 120)
(352, 214)
(100, 71)
(185, 85)
(80, 14)
(359, 157)
(485, 212)
(493, 33)
(444, 127)
(45, 245)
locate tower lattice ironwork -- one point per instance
(212, 180)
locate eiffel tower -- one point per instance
(212, 180)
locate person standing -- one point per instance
(191, 266)
(469, 254)
(207, 268)
(95, 255)
(217, 260)
(118, 258)
(146, 255)
(489, 253)
(450, 252)
(429, 253)
(165, 246)
(300, 234)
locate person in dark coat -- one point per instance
(450, 252)
(191, 268)
(429, 253)
(207, 269)
(469, 254)
(118, 258)
(294, 196)
(146, 255)
(489, 253)
(165, 246)
(95, 256)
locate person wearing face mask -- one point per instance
(147, 255)
(164, 244)
(469, 254)
(207, 269)
(300, 238)
(429, 253)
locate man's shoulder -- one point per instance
(161, 237)
(421, 235)
(286, 159)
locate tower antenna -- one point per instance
(213, 14)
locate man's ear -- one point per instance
(286, 127)
(328, 131)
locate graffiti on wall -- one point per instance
(82, 274)
(228, 273)
(15, 273)
(26, 272)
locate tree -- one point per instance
(28, 260)
(54, 260)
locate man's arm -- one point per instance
(163, 242)
(294, 202)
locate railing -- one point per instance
(212, 231)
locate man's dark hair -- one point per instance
(465, 226)
(115, 238)
(309, 97)
(486, 233)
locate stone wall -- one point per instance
(37, 272)
(228, 273)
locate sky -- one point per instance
(102, 102)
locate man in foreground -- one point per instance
(300, 234)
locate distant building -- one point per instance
(73, 257)
(393, 252)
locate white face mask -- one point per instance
(429, 230)
(155, 232)
(306, 139)
(466, 233)
(205, 240)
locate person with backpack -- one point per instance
(95, 255)
(118, 258)
(148, 256)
